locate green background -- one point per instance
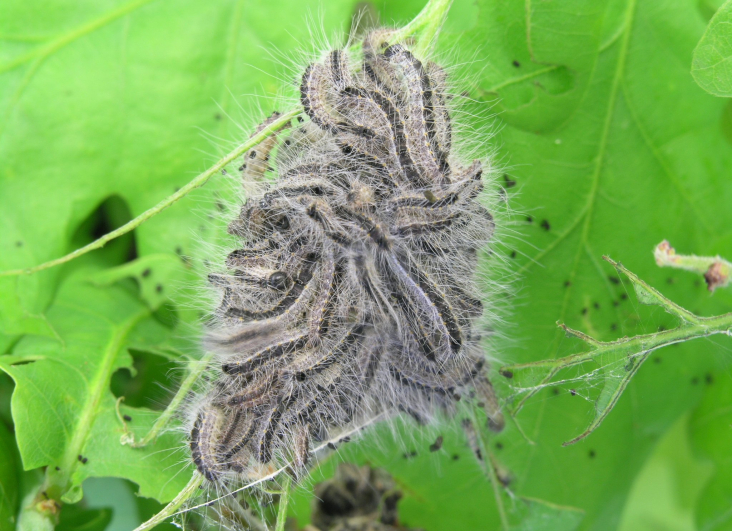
(592, 108)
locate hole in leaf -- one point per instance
(111, 214)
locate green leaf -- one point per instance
(538, 515)
(9, 485)
(64, 412)
(610, 141)
(669, 486)
(76, 519)
(712, 63)
(632, 152)
(709, 428)
(149, 271)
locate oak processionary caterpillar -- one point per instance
(354, 293)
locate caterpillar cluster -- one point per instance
(354, 292)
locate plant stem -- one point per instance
(626, 353)
(199, 181)
(162, 421)
(284, 500)
(716, 271)
(426, 25)
(173, 506)
(490, 471)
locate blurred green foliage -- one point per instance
(606, 146)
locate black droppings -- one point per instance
(567, 283)
(596, 305)
(455, 457)
(614, 326)
(573, 392)
(506, 373)
(146, 272)
(585, 310)
(545, 225)
(613, 279)
(624, 296)
(513, 254)
(510, 183)
(331, 446)
(708, 378)
(591, 454)
(516, 63)
(159, 288)
(435, 446)
(529, 219)
(499, 446)
(127, 418)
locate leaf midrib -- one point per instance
(97, 386)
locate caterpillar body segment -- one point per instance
(353, 293)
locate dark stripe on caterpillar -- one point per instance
(420, 111)
(283, 348)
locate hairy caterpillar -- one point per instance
(354, 292)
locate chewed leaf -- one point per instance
(153, 272)
(712, 62)
(607, 368)
(649, 295)
(70, 424)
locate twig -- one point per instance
(173, 506)
(194, 372)
(716, 270)
(529, 378)
(284, 500)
